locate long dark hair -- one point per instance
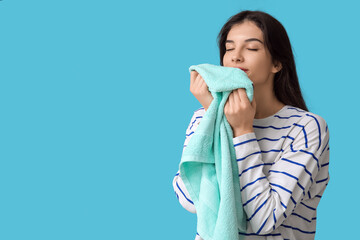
(286, 82)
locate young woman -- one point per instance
(282, 149)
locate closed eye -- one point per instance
(251, 49)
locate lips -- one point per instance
(244, 69)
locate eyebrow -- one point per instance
(247, 40)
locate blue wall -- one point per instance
(95, 101)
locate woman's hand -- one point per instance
(200, 90)
(240, 112)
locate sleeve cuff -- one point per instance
(244, 137)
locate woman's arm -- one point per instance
(269, 200)
(178, 185)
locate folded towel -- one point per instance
(208, 165)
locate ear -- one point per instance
(277, 67)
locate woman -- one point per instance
(282, 149)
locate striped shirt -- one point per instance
(283, 171)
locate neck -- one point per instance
(266, 102)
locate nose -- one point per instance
(237, 57)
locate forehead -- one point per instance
(245, 30)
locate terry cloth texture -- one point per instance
(208, 165)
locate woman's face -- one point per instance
(245, 49)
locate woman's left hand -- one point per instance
(240, 112)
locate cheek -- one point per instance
(227, 62)
(259, 64)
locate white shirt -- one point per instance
(283, 171)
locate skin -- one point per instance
(238, 110)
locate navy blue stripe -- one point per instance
(255, 166)
(250, 183)
(322, 180)
(265, 138)
(275, 139)
(287, 117)
(261, 227)
(301, 187)
(287, 174)
(249, 219)
(295, 214)
(296, 163)
(192, 124)
(291, 147)
(193, 121)
(240, 159)
(277, 128)
(315, 158)
(317, 122)
(254, 234)
(297, 109)
(274, 216)
(309, 195)
(273, 150)
(279, 186)
(183, 193)
(291, 138)
(325, 147)
(250, 140)
(307, 232)
(251, 199)
(318, 196)
(189, 134)
(325, 164)
(308, 206)
(290, 176)
(305, 135)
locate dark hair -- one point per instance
(286, 83)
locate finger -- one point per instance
(193, 75)
(197, 82)
(201, 81)
(243, 96)
(235, 103)
(231, 100)
(237, 95)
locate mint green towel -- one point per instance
(208, 165)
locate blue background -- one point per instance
(95, 101)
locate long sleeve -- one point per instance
(179, 187)
(299, 172)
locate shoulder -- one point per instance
(308, 127)
(305, 118)
(198, 113)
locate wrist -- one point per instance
(239, 132)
